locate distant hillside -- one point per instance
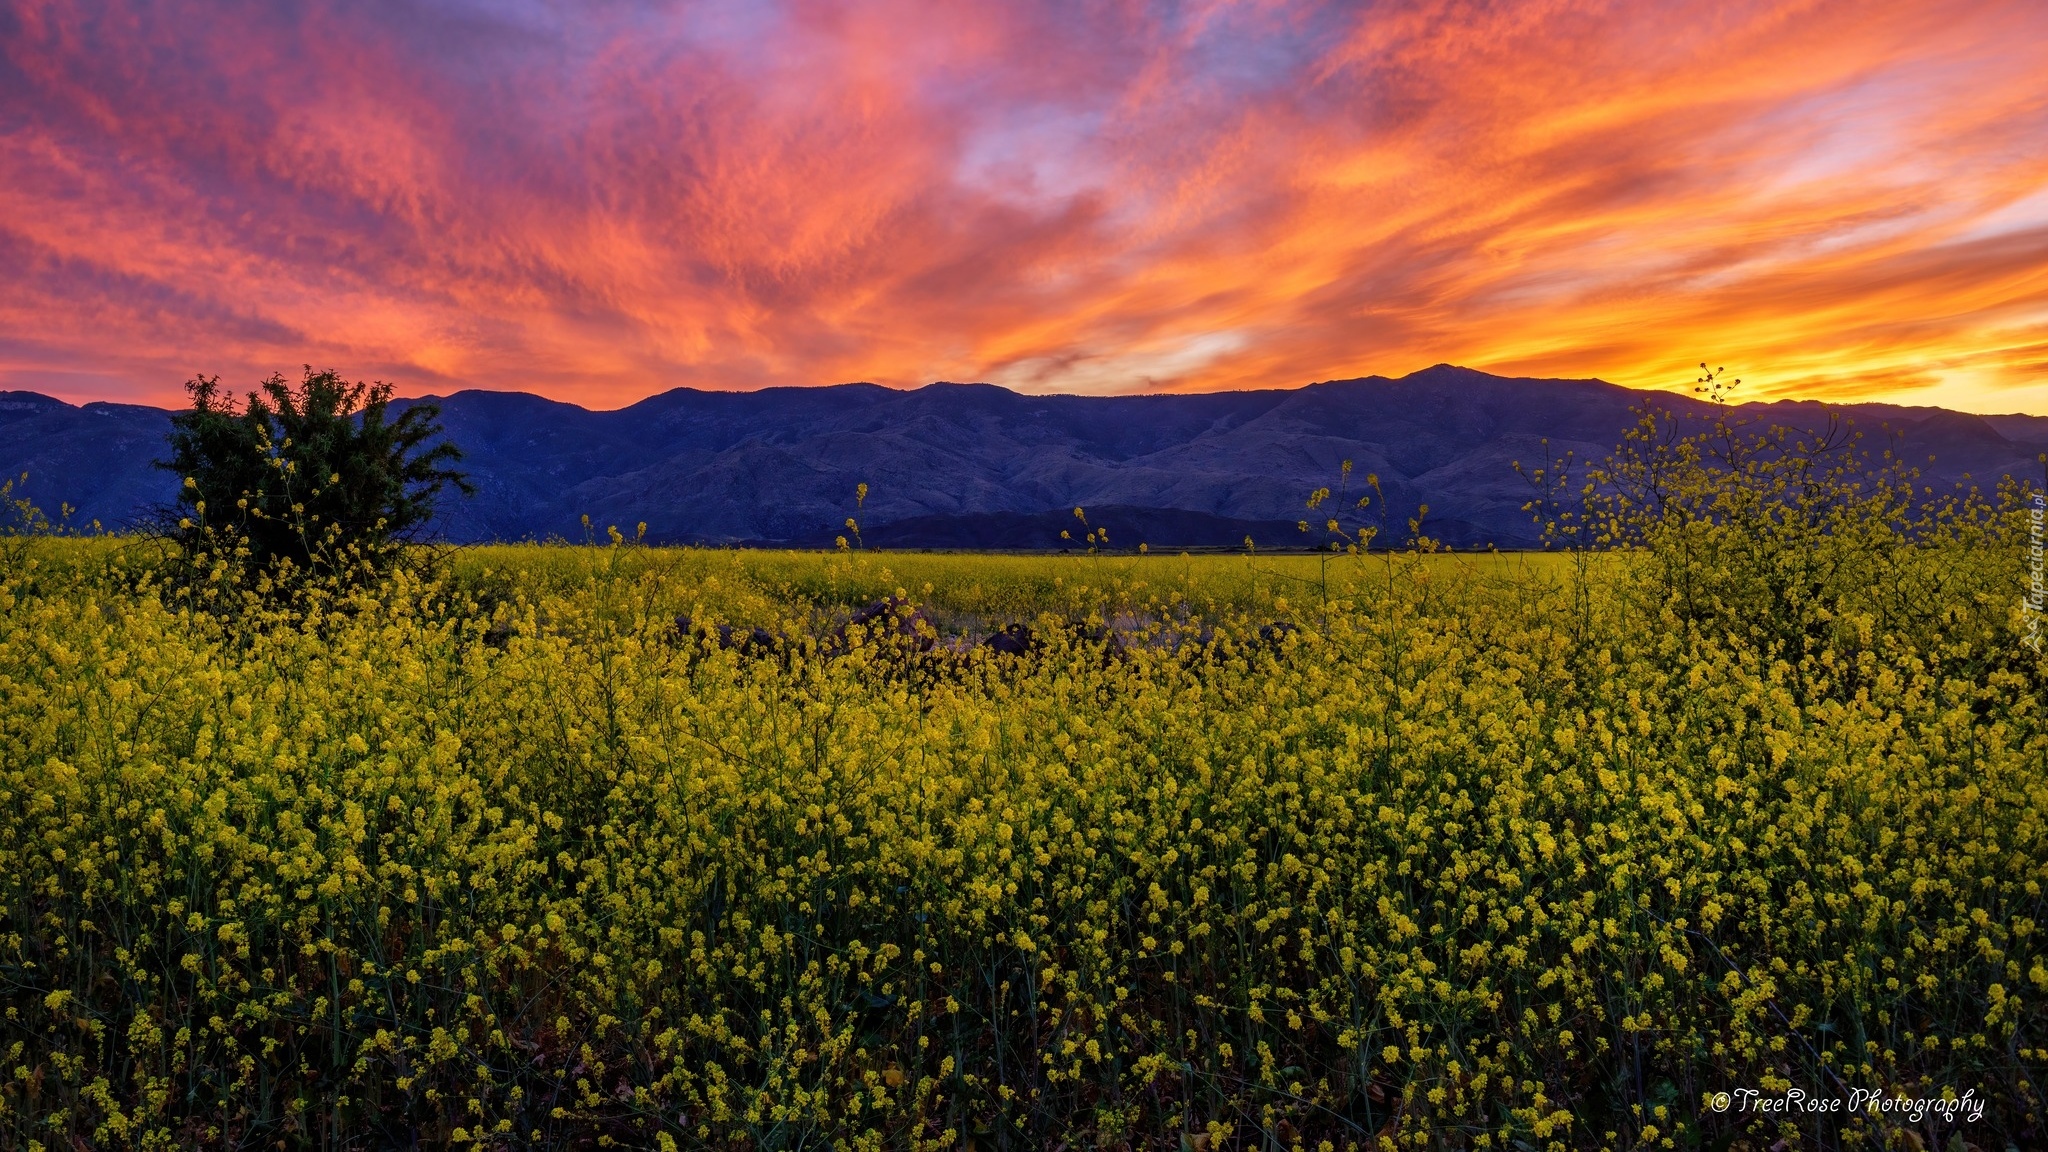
(973, 465)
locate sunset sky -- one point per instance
(603, 200)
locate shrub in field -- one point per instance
(1789, 544)
(1780, 539)
(312, 476)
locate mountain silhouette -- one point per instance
(977, 466)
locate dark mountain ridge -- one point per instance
(974, 465)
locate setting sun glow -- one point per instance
(596, 203)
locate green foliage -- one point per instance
(1794, 546)
(1788, 541)
(312, 476)
(20, 522)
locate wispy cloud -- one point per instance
(602, 201)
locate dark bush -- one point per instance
(315, 476)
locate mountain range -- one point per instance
(978, 466)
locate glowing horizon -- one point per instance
(1837, 201)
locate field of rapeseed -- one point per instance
(1398, 851)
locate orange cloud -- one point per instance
(1834, 199)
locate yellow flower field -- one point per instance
(1474, 852)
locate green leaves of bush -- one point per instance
(297, 476)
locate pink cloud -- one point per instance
(1842, 199)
